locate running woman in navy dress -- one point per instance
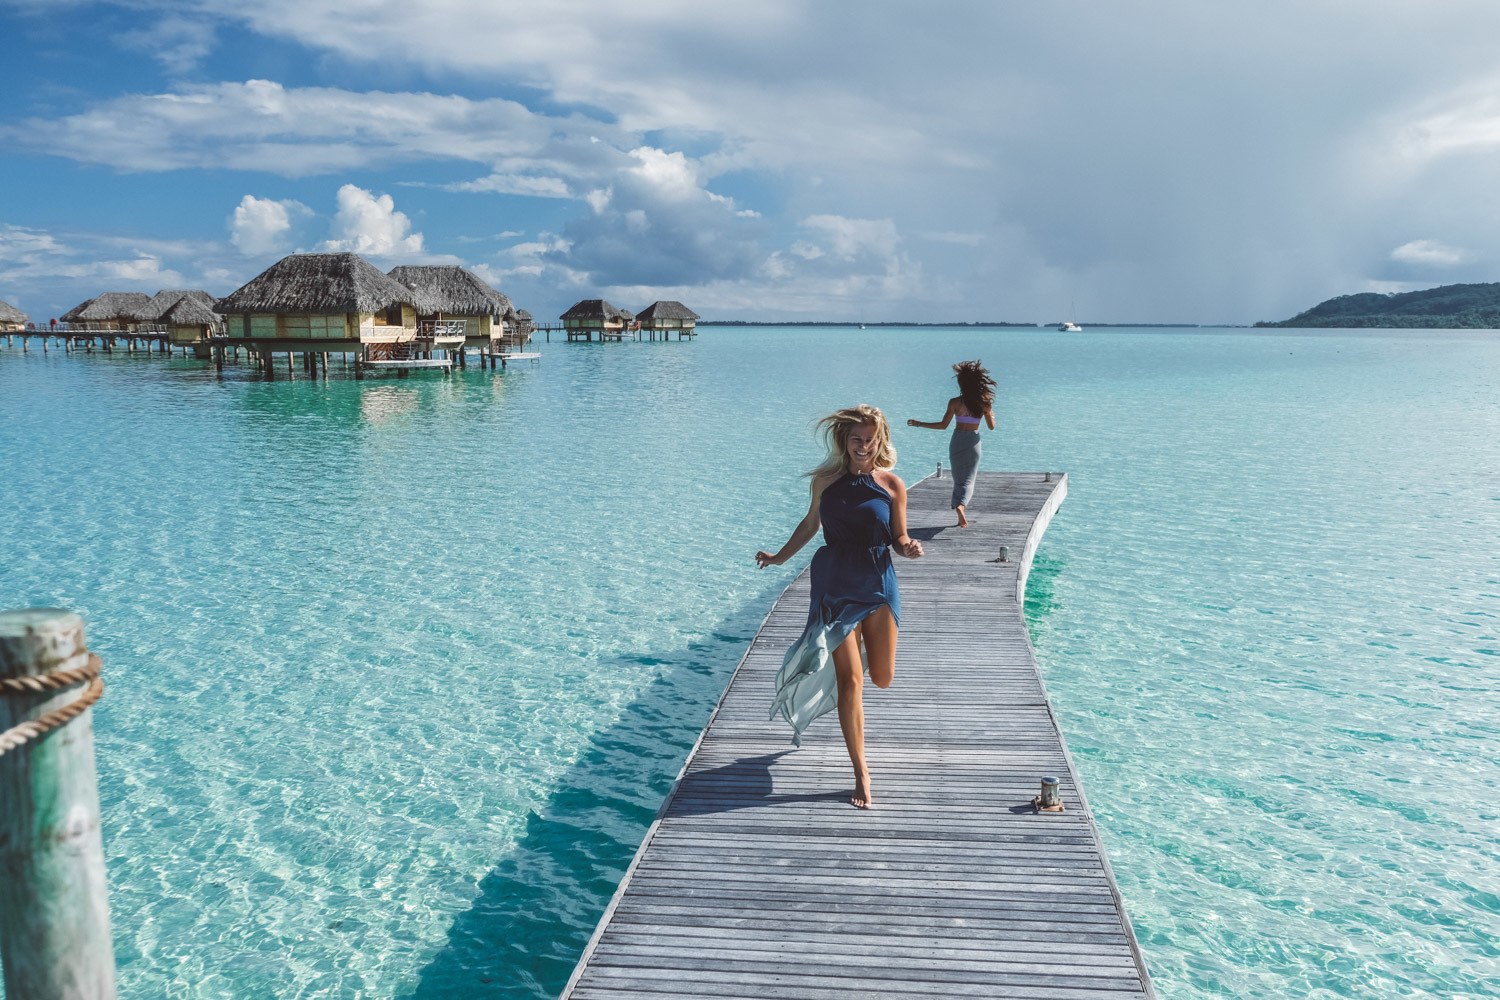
(861, 506)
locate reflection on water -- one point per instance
(378, 404)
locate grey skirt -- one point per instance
(963, 456)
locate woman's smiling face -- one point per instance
(860, 447)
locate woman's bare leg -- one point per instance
(850, 673)
(963, 522)
(879, 634)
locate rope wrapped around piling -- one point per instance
(43, 684)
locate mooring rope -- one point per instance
(43, 683)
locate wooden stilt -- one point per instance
(54, 908)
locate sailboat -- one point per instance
(1067, 325)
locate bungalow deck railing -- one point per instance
(128, 330)
(442, 328)
(386, 334)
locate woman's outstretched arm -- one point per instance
(801, 535)
(935, 425)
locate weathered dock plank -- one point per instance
(758, 880)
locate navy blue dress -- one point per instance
(851, 577)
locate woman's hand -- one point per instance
(911, 548)
(912, 423)
(764, 559)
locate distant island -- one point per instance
(1449, 307)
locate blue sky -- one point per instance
(776, 160)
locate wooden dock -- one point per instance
(758, 880)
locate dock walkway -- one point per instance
(758, 880)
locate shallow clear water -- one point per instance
(400, 669)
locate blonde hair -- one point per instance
(835, 429)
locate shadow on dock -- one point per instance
(537, 907)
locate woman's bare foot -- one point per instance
(862, 799)
(963, 522)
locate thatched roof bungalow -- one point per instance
(666, 318)
(11, 318)
(588, 317)
(321, 297)
(519, 322)
(169, 302)
(110, 311)
(190, 320)
(453, 301)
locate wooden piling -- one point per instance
(54, 914)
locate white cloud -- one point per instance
(1428, 252)
(531, 186)
(851, 238)
(656, 223)
(670, 174)
(19, 244)
(598, 199)
(261, 225)
(1464, 119)
(537, 248)
(178, 43)
(304, 131)
(369, 223)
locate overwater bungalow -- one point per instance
(112, 312)
(318, 304)
(191, 321)
(321, 297)
(454, 307)
(520, 323)
(595, 317)
(11, 318)
(665, 318)
(194, 311)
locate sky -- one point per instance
(774, 160)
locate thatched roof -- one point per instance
(162, 302)
(665, 310)
(317, 283)
(190, 310)
(523, 314)
(107, 307)
(595, 309)
(10, 314)
(451, 290)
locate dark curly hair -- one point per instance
(975, 386)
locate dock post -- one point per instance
(54, 910)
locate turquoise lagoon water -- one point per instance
(399, 670)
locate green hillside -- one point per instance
(1447, 307)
